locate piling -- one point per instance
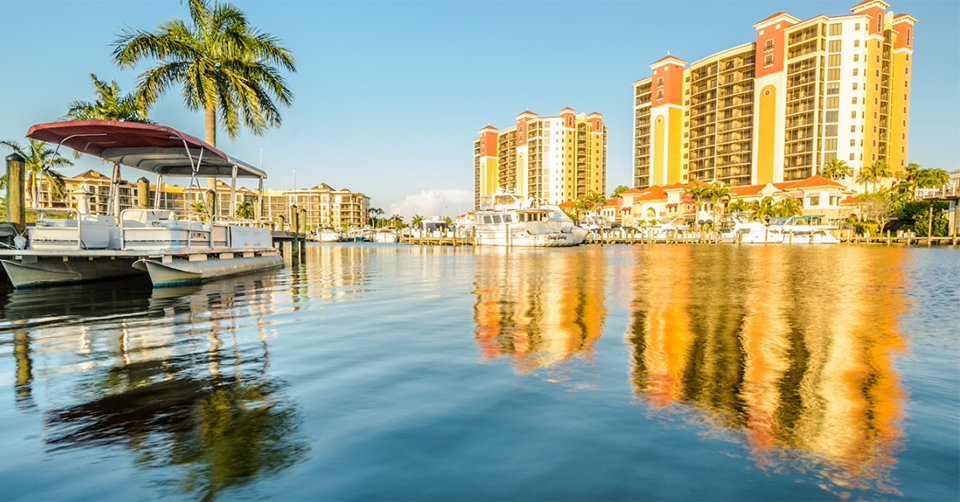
(302, 236)
(16, 211)
(295, 226)
(143, 193)
(930, 224)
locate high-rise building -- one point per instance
(779, 108)
(554, 159)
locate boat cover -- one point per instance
(154, 148)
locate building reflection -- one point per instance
(184, 384)
(540, 309)
(785, 345)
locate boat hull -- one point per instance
(524, 239)
(177, 272)
(37, 271)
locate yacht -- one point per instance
(803, 230)
(354, 235)
(506, 220)
(172, 246)
(596, 224)
(328, 235)
(742, 230)
(668, 228)
(385, 236)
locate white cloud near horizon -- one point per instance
(443, 202)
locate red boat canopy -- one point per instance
(154, 148)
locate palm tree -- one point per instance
(762, 209)
(874, 172)
(718, 192)
(416, 221)
(244, 210)
(375, 214)
(41, 164)
(617, 191)
(788, 206)
(738, 206)
(224, 65)
(197, 206)
(110, 104)
(698, 191)
(931, 178)
(396, 220)
(835, 168)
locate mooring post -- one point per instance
(16, 212)
(303, 242)
(295, 226)
(930, 224)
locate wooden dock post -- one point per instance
(16, 211)
(930, 224)
(303, 236)
(295, 227)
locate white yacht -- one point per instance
(506, 220)
(173, 247)
(597, 224)
(803, 230)
(742, 230)
(328, 235)
(668, 228)
(385, 236)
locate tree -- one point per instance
(617, 191)
(416, 221)
(375, 215)
(762, 209)
(717, 193)
(697, 192)
(874, 172)
(41, 164)
(448, 220)
(835, 168)
(110, 104)
(396, 220)
(738, 206)
(197, 206)
(244, 210)
(224, 65)
(876, 207)
(788, 206)
(930, 178)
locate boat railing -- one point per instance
(167, 219)
(75, 217)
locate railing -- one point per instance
(41, 213)
(943, 192)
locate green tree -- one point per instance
(788, 206)
(697, 192)
(874, 172)
(835, 169)
(617, 191)
(931, 178)
(42, 163)
(416, 221)
(762, 209)
(877, 208)
(718, 193)
(109, 104)
(197, 206)
(396, 221)
(738, 206)
(244, 210)
(224, 65)
(375, 216)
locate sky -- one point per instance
(389, 96)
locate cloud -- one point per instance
(444, 202)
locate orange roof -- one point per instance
(771, 16)
(665, 58)
(568, 203)
(865, 3)
(90, 173)
(613, 202)
(747, 189)
(653, 193)
(631, 190)
(851, 200)
(813, 181)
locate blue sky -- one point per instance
(390, 95)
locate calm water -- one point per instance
(393, 372)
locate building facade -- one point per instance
(554, 159)
(325, 206)
(780, 107)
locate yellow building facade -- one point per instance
(554, 159)
(803, 93)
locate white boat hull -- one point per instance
(522, 238)
(180, 271)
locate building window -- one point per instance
(879, 27)
(853, 114)
(659, 80)
(836, 29)
(660, 94)
(856, 43)
(834, 46)
(906, 71)
(876, 101)
(853, 142)
(856, 27)
(768, 60)
(854, 86)
(853, 156)
(856, 57)
(878, 58)
(768, 44)
(856, 72)
(853, 128)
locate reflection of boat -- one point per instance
(172, 246)
(506, 220)
(803, 230)
(328, 235)
(736, 229)
(385, 236)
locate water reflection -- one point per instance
(790, 348)
(184, 385)
(538, 308)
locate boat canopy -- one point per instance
(153, 148)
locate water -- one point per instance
(594, 373)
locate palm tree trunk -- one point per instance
(210, 134)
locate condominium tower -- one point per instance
(778, 108)
(554, 159)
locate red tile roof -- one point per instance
(868, 2)
(568, 203)
(664, 58)
(613, 202)
(771, 16)
(631, 190)
(813, 181)
(850, 200)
